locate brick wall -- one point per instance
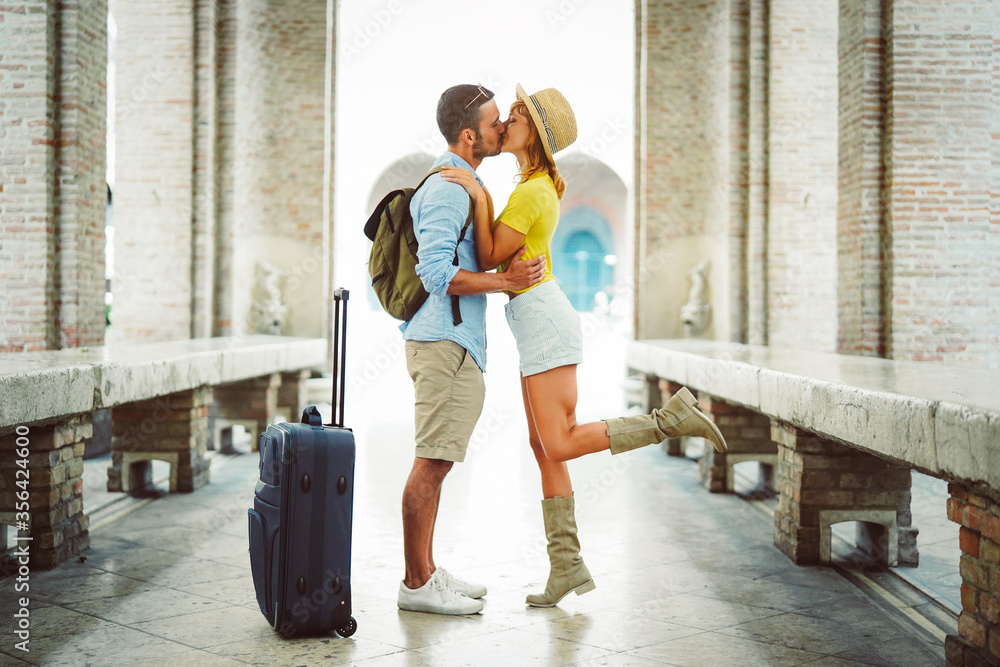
(280, 215)
(205, 181)
(82, 194)
(802, 175)
(903, 260)
(737, 163)
(939, 162)
(27, 202)
(225, 73)
(860, 213)
(154, 116)
(756, 161)
(977, 511)
(993, 248)
(220, 165)
(683, 160)
(740, 65)
(53, 60)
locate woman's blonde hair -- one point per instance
(537, 160)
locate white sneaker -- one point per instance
(436, 598)
(466, 588)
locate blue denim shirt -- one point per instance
(439, 210)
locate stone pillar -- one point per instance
(977, 511)
(801, 234)
(740, 84)
(755, 262)
(171, 428)
(942, 171)
(748, 436)
(666, 389)
(822, 482)
(683, 157)
(282, 183)
(225, 167)
(861, 179)
(57, 525)
(993, 240)
(53, 198)
(209, 34)
(292, 393)
(251, 403)
(156, 112)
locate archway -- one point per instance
(592, 247)
(583, 256)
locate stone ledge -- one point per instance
(39, 386)
(922, 416)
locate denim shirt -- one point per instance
(439, 210)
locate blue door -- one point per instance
(580, 252)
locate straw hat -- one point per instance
(553, 117)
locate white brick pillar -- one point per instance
(861, 179)
(155, 115)
(53, 198)
(942, 167)
(801, 259)
(683, 160)
(282, 176)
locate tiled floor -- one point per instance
(683, 577)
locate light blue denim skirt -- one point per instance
(546, 328)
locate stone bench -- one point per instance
(847, 431)
(161, 397)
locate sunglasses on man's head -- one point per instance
(482, 93)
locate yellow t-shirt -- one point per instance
(533, 210)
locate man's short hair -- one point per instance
(458, 109)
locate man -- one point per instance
(445, 359)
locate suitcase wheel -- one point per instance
(349, 629)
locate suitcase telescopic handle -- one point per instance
(340, 297)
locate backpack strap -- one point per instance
(456, 312)
(430, 173)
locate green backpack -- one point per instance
(392, 263)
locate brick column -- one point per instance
(939, 160)
(755, 263)
(822, 482)
(251, 402)
(748, 435)
(58, 526)
(282, 178)
(801, 265)
(684, 162)
(664, 390)
(861, 179)
(158, 279)
(292, 393)
(978, 514)
(171, 428)
(53, 198)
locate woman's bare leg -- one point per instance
(567, 571)
(552, 397)
(555, 474)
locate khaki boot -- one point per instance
(678, 417)
(567, 573)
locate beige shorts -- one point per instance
(449, 391)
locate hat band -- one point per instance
(545, 123)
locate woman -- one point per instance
(549, 338)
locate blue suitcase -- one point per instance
(300, 523)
